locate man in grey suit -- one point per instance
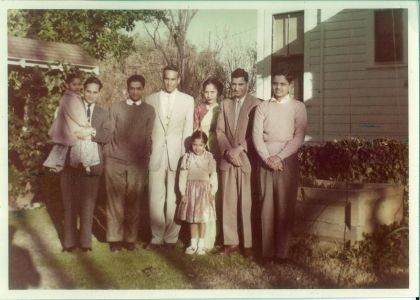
(172, 128)
(79, 189)
(235, 143)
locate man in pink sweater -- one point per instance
(278, 132)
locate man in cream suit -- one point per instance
(233, 131)
(172, 128)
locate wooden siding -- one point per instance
(359, 99)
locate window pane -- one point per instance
(388, 35)
(288, 38)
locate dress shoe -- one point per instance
(115, 246)
(247, 252)
(130, 246)
(86, 249)
(227, 250)
(151, 246)
(68, 249)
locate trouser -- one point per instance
(79, 193)
(162, 204)
(279, 193)
(237, 203)
(124, 183)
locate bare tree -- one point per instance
(240, 56)
(177, 23)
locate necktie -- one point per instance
(88, 112)
(237, 110)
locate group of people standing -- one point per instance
(198, 162)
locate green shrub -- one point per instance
(34, 95)
(380, 252)
(356, 160)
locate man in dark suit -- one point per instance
(80, 189)
(233, 131)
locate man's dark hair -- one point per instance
(216, 83)
(238, 73)
(287, 74)
(71, 76)
(170, 68)
(136, 78)
(92, 79)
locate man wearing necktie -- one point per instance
(234, 139)
(171, 132)
(127, 157)
(79, 189)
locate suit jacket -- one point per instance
(102, 123)
(176, 135)
(228, 137)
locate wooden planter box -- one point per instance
(344, 211)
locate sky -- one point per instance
(240, 26)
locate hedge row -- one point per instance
(356, 160)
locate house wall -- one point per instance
(345, 93)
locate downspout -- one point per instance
(321, 78)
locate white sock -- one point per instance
(194, 242)
(201, 243)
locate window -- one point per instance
(288, 48)
(389, 36)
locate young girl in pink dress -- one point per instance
(71, 128)
(198, 185)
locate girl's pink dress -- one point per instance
(71, 119)
(198, 183)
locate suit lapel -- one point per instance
(243, 115)
(95, 119)
(159, 110)
(230, 113)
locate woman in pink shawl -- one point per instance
(205, 119)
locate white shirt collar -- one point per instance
(285, 99)
(170, 95)
(92, 105)
(131, 102)
(241, 100)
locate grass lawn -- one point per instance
(36, 261)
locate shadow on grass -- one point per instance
(213, 271)
(19, 260)
(98, 278)
(54, 265)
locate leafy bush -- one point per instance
(379, 252)
(356, 160)
(33, 97)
